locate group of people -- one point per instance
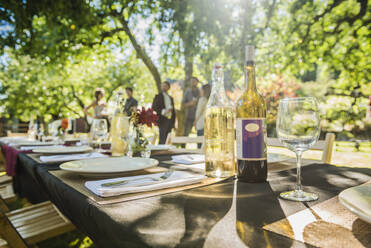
(194, 102)
(99, 105)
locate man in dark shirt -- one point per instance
(163, 104)
(131, 103)
(189, 102)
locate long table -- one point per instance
(226, 214)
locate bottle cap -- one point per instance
(249, 53)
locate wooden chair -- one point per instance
(27, 226)
(3, 243)
(11, 134)
(7, 192)
(326, 146)
(172, 139)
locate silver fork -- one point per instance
(163, 177)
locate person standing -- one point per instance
(200, 111)
(163, 104)
(99, 105)
(131, 103)
(190, 103)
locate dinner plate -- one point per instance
(63, 149)
(276, 157)
(161, 147)
(108, 166)
(358, 201)
(37, 143)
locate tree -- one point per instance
(57, 28)
(33, 86)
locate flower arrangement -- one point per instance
(64, 124)
(62, 128)
(144, 117)
(139, 119)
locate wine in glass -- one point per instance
(99, 131)
(298, 128)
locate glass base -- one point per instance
(299, 195)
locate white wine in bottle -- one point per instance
(251, 130)
(219, 130)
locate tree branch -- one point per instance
(142, 54)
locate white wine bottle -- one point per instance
(251, 130)
(219, 129)
(119, 128)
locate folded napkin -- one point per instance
(188, 159)
(142, 183)
(30, 148)
(70, 157)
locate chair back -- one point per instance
(11, 134)
(183, 140)
(326, 146)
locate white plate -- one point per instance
(108, 166)
(37, 143)
(63, 149)
(160, 147)
(276, 157)
(358, 200)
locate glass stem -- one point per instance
(298, 171)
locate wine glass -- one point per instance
(99, 131)
(298, 128)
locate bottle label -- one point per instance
(251, 138)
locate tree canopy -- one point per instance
(61, 50)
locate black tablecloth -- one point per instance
(184, 219)
(26, 182)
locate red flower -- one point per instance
(147, 117)
(64, 124)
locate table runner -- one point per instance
(77, 182)
(11, 156)
(328, 224)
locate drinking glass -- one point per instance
(298, 128)
(99, 131)
(120, 138)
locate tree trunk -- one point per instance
(188, 73)
(143, 55)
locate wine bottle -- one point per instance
(219, 129)
(251, 130)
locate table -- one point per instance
(227, 214)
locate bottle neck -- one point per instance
(217, 86)
(250, 76)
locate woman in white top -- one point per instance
(200, 111)
(98, 105)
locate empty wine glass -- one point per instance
(99, 131)
(298, 128)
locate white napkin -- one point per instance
(29, 148)
(141, 184)
(188, 159)
(70, 157)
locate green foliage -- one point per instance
(63, 50)
(63, 90)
